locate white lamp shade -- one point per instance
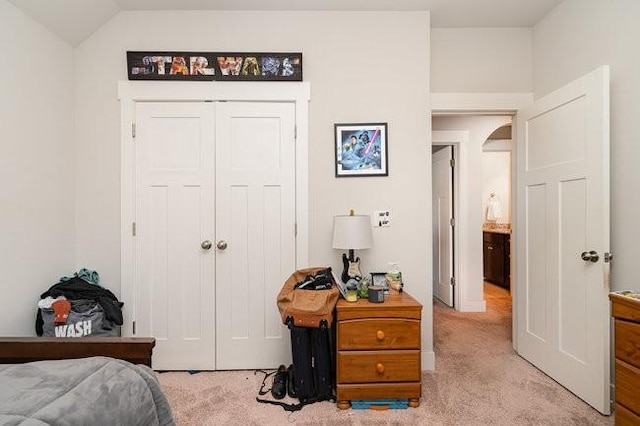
(352, 232)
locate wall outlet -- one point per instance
(381, 218)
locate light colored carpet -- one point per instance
(479, 380)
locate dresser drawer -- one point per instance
(379, 391)
(378, 366)
(379, 334)
(627, 379)
(628, 342)
(625, 417)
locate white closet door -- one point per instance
(255, 219)
(174, 274)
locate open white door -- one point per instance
(442, 203)
(563, 237)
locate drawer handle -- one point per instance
(380, 335)
(380, 368)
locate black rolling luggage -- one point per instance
(307, 302)
(313, 362)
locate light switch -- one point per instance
(381, 218)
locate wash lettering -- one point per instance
(79, 329)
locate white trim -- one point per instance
(428, 360)
(130, 92)
(479, 103)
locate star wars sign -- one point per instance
(218, 66)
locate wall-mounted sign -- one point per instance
(219, 66)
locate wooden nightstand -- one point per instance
(378, 350)
(626, 312)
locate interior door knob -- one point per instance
(222, 244)
(206, 245)
(590, 256)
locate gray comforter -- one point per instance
(89, 391)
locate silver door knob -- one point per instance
(206, 245)
(222, 244)
(590, 256)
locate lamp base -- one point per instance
(351, 267)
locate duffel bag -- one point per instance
(86, 318)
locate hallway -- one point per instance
(479, 378)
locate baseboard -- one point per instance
(475, 306)
(428, 360)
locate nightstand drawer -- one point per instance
(625, 417)
(627, 378)
(378, 366)
(628, 342)
(379, 334)
(381, 391)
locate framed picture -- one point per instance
(379, 279)
(361, 149)
(218, 66)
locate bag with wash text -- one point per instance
(86, 318)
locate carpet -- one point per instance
(478, 380)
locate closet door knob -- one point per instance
(591, 256)
(206, 245)
(222, 244)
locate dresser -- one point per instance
(378, 350)
(626, 312)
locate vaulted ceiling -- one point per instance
(75, 20)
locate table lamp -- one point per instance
(352, 232)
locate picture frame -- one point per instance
(214, 66)
(380, 279)
(361, 149)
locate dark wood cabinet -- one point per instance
(17, 350)
(496, 258)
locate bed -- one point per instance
(86, 391)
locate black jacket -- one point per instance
(77, 288)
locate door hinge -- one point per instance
(295, 229)
(134, 327)
(608, 257)
(133, 130)
(452, 162)
(133, 229)
(295, 132)
(453, 281)
(452, 221)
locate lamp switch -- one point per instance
(381, 218)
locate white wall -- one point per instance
(496, 179)
(378, 72)
(575, 38)
(481, 60)
(479, 128)
(37, 162)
